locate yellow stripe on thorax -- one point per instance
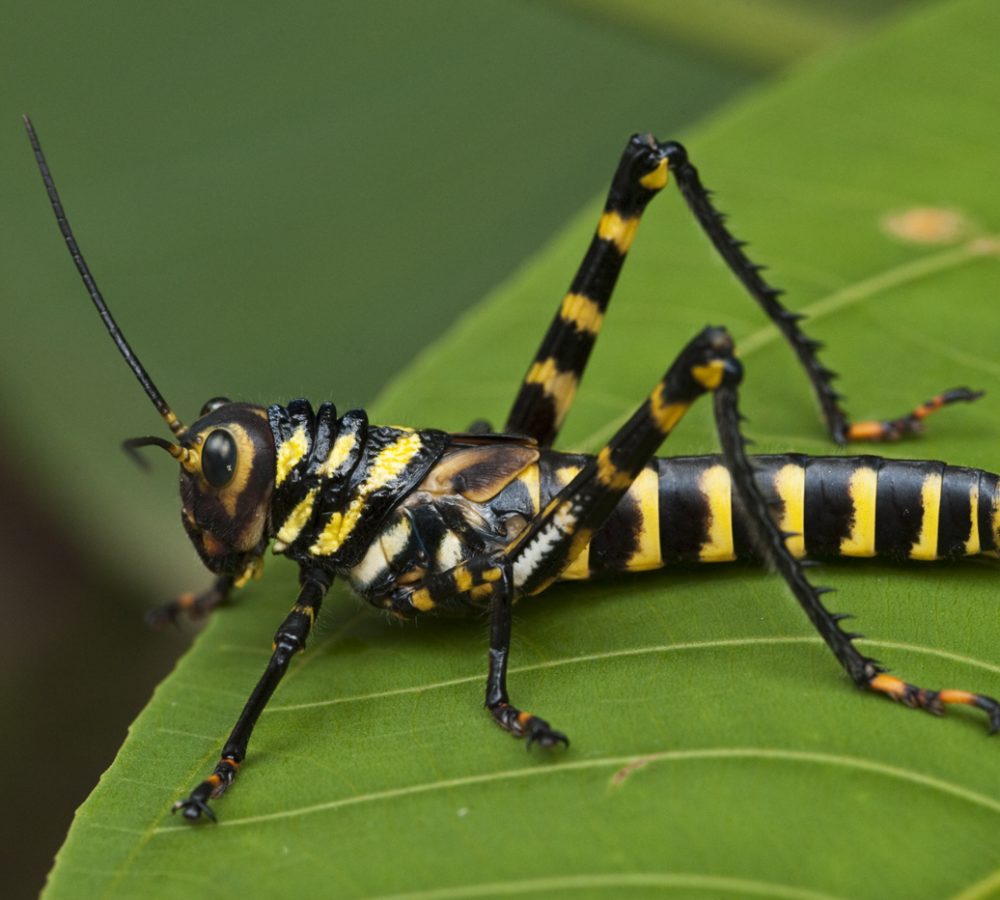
(618, 229)
(290, 452)
(338, 454)
(717, 490)
(925, 546)
(296, 521)
(390, 463)
(645, 491)
(863, 490)
(790, 483)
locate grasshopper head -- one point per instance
(227, 476)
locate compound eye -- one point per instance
(218, 458)
(213, 404)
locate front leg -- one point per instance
(191, 605)
(289, 639)
(477, 579)
(554, 539)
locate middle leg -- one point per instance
(555, 538)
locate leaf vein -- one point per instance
(668, 880)
(628, 652)
(709, 753)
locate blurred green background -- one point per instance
(276, 203)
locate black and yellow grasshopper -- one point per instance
(422, 521)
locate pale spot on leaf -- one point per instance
(927, 225)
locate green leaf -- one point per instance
(717, 748)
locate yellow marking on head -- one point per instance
(657, 179)
(645, 491)
(174, 424)
(863, 489)
(296, 521)
(617, 229)
(579, 552)
(709, 376)
(790, 483)
(666, 415)
(290, 452)
(189, 459)
(925, 546)
(212, 545)
(609, 474)
(338, 454)
(582, 312)
(462, 578)
(229, 494)
(972, 545)
(717, 490)
(390, 463)
(421, 599)
(560, 386)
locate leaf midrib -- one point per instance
(770, 754)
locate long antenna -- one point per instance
(176, 426)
